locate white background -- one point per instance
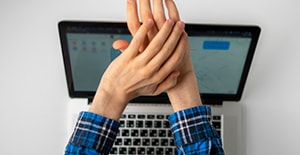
(34, 101)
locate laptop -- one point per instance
(221, 55)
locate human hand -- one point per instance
(158, 15)
(135, 73)
(186, 93)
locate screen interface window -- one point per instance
(218, 61)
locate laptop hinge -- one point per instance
(204, 101)
(212, 102)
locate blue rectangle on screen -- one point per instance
(216, 45)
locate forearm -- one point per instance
(193, 132)
(93, 135)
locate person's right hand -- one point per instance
(135, 73)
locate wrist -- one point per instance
(185, 94)
(108, 104)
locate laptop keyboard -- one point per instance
(148, 134)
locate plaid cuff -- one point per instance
(95, 132)
(192, 125)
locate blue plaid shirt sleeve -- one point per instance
(193, 132)
(93, 135)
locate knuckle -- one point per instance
(145, 73)
(147, 15)
(159, 18)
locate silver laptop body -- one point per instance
(221, 54)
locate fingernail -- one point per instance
(130, 1)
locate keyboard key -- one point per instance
(134, 133)
(132, 150)
(146, 142)
(160, 117)
(169, 150)
(155, 142)
(162, 133)
(136, 142)
(150, 116)
(157, 124)
(118, 141)
(159, 151)
(131, 116)
(217, 125)
(127, 141)
(125, 132)
(122, 124)
(172, 143)
(153, 133)
(170, 133)
(141, 116)
(114, 150)
(130, 124)
(166, 124)
(167, 116)
(139, 124)
(122, 150)
(123, 116)
(141, 150)
(148, 124)
(216, 117)
(150, 150)
(144, 133)
(164, 142)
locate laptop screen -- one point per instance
(221, 56)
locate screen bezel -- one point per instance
(191, 29)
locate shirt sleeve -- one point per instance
(193, 132)
(93, 135)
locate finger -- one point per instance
(139, 38)
(177, 57)
(172, 10)
(146, 13)
(159, 13)
(133, 21)
(145, 10)
(168, 48)
(120, 45)
(157, 43)
(167, 83)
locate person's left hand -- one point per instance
(135, 73)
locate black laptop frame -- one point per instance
(192, 29)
